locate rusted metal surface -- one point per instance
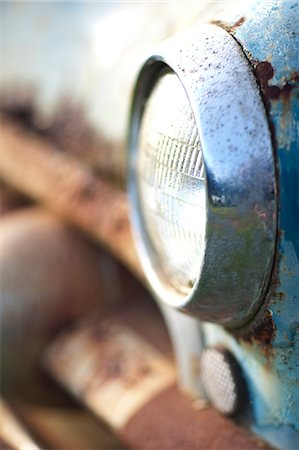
(230, 27)
(110, 368)
(47, 181)
(69, 131)
(267, 345)
(170, 422)
(261, 333)
(13, 435)
(117, 372)
(264, 73)
(69, 188)
(274, 57)
(258, 42)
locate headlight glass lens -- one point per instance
(171, 184)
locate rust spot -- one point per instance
(264, 72)
(274, 92)
(262, 330)
(228, 27)
(113, 368)
(239, 23)
(113, 361)
(275, 280)
(263, 333)
(294, 77)
(281, 295)
(117, 365)
(286, 91)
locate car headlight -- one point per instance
(202, 177)
(171, 184)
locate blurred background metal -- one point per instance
(67, 73)
(68, 68)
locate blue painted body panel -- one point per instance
(269, 33)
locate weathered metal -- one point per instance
(239, 211)
(266, 347)
(169, 422)
(109, 367)
(69, 188)
(117, 367)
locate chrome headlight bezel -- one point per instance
(239, 175)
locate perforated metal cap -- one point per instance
(222, 380)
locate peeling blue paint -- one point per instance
(270, 34)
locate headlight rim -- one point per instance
(170, 59)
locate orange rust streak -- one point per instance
(69, 188)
